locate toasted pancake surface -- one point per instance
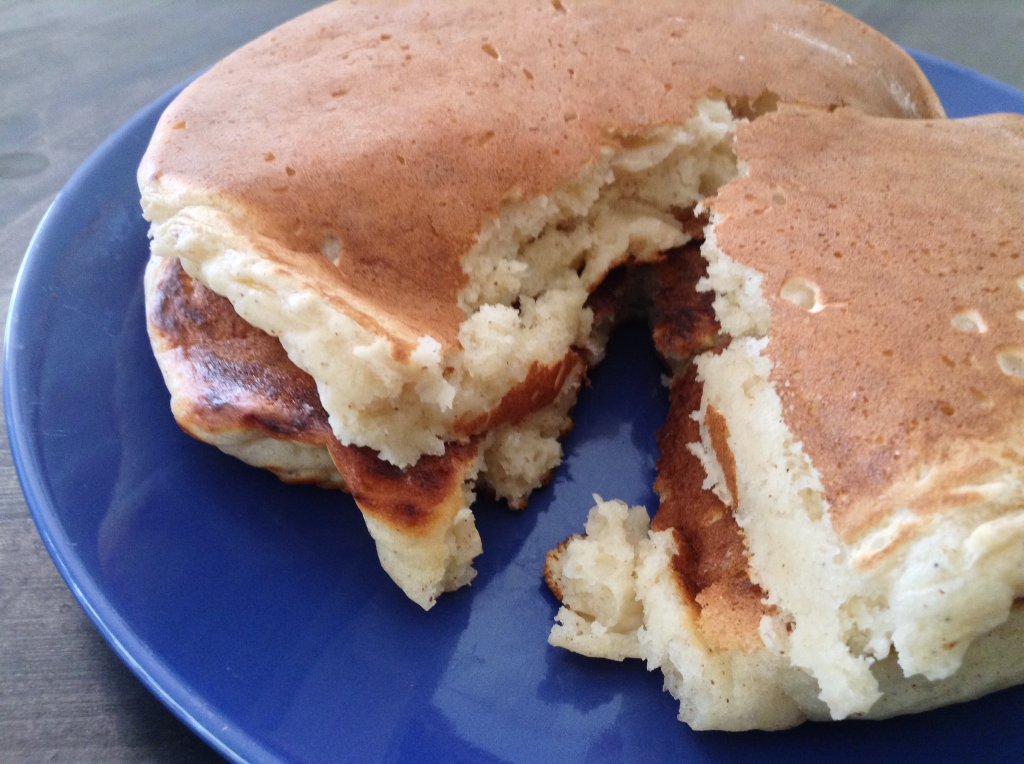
(683, 319)
(404, 192)
(711, 565)
(348, 122)
(891, 254)
(233, 386)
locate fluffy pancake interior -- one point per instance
(601, 577)
(533, 268)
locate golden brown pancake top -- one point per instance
(399, 127)
(903, 376)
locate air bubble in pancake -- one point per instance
(802, 293)
(331, 247)
(969, 321)
(1011, 361)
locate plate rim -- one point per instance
(173, 692)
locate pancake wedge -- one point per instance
(855, 546)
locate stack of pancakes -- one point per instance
(388, 240)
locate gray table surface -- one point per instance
(71, 72)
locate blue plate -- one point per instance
(258, 612)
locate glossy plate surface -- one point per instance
(258, 612)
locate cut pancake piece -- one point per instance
(421, 241)
(880, 472)
(683, 583)
(419, 516)
(233, 386)
(679, 596)
(726, 689)
(593, 576)
(863, 428)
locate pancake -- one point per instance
(423, 244)
(853, 543)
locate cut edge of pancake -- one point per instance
(419, 517)
(732, 690)
(865, 627)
